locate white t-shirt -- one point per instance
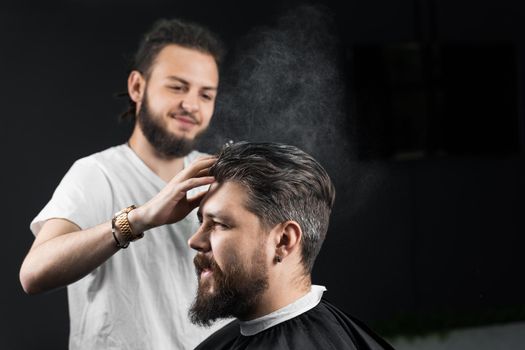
(139, 298)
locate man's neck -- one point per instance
(165, 168)
(292, 310)
(277, 297)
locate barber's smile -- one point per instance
(185, 120)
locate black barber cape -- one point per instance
(324, 327)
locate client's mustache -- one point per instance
(202, 262)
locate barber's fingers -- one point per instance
(195, 169)
(203, 172)
(194, 201)
(194, 182)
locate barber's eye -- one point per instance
(207, 97)
(177, 88)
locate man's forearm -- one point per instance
(63, 254)
(66, 258)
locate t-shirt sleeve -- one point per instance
(83, 197)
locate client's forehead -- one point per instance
(223, 198)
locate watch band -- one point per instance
(120, 221)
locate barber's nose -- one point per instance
(190, 103)
(200, 241)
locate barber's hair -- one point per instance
(168, 32)
(282, 183)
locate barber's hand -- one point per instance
(171, 204)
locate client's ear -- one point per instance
(288, 237)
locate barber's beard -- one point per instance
(165, 142)
(236, 291)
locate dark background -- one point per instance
(427, 232)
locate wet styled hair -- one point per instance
(283, 183)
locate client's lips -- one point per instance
(203, 266)
(205, 273)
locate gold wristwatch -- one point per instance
(120, 221)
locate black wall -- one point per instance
(412, 237)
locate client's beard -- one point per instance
(165, 143)
(236, 291)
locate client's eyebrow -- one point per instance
(219, 215)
